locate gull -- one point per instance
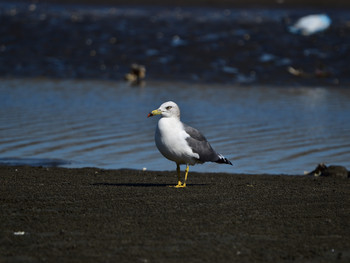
(181, 143)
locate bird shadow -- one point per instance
(141, 184)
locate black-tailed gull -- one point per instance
(181, 143)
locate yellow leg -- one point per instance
(186, 173)
(187, 169)
(179, 184)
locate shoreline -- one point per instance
(90, 215)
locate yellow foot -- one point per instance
(179, 185)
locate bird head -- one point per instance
(167, 109)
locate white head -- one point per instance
(167, 109)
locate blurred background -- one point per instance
(213, 3)
(267, 82)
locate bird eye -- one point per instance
(168, 108)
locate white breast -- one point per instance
(171, 141)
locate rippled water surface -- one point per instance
(103, 124)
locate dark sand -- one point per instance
(93, 215)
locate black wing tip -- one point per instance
(222, 159)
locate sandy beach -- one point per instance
(93, 215)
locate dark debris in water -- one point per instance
(331, 171)
(242, 46)
(136, 75)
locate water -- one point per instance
(79, 123)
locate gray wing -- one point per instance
(200, 145)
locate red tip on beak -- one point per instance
(149, 115)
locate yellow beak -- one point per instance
(154, 112)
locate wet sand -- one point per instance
(93, 215)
